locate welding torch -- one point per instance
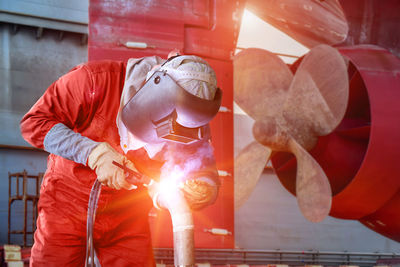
(134, 177)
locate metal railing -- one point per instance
(18, 191)
(292, 258)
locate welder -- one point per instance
(137, 114)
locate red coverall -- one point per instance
(86, 100)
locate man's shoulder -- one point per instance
(99, 66)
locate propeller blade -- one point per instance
(261, 80)
(313, 191)
(318, 95)
(249, 165)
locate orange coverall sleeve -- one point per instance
(69, 101)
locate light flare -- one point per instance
(170, 184)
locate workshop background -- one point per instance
(43, 39)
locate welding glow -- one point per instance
(170, 184)
(167, 187)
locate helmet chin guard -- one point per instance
(164, 111)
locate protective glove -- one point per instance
(199, 192)
(100, 159)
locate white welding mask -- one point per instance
(162, 110)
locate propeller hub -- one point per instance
(268, 132)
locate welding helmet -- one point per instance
(162, 110)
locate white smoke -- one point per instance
(182, 160)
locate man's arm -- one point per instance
(53, 123)
(67, 101)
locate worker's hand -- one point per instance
(100, 160)
(199, 192)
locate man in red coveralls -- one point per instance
(81, 121)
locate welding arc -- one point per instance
(290, 113)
